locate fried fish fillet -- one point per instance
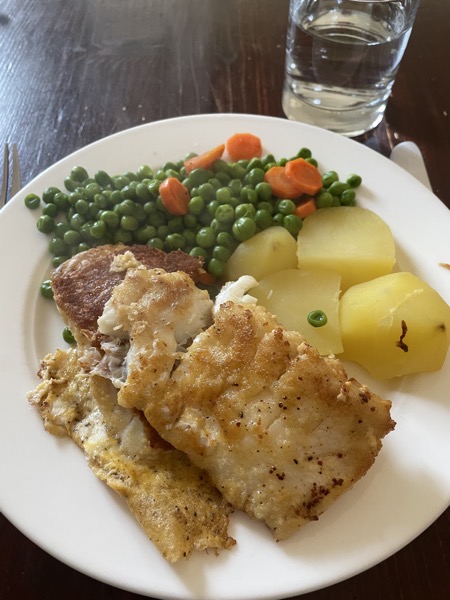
(83, 284)
(281, 431)
(171, 499)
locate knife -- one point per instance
(408, 156)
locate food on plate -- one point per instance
(170, 498)
(82, 285)
(205, 204)
(292, 294)
(267, 252)
(281, 431)
(395, 325)
(354, 241)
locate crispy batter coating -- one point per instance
(171, 499)
(281, 431)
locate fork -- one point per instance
(15, 176)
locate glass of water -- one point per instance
(341, 60)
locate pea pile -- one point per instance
(228, 204)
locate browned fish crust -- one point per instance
(83, 284)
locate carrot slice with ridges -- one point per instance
(304, 176)
(282, 186)
(244, 146)
(205, 160)
(175, 196)
(306, 208)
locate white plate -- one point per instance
(48, 492)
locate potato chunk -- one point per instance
(292, 294)
(353, 241)
(271, 250)
(395, 325)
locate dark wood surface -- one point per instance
(73, 72)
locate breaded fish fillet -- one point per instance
(281, 431)
(83, 284)
(171, 499)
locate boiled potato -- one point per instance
(271, 250)
(353, 241)
(292, 294)
(395, 325)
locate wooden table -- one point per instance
(73, 72)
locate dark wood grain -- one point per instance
(74, 72)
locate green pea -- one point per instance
(143, 193)
(110, 218)
(254, 176)
(45, 224)
(58, 260)
(98, 230)
(162, 231)
(244, 228)
(337, 187)
(61, 228)
(199, 176)
(268, 206)
(196, 205)
(46, 289)
(144, 234)
(49, 194)
(329, 177)
(348, 197)
(286, 207)
(126, 207)
(129, 223)
(216, 267)
(71, 238)
(82, 206)
(122, 237)
(206, 237)
(264, 191)
(304, 153)
(119, 182)
(32, 201)
(312, 161)
(68, 336)
(217, 226)
(57, 246)
(223, 195)
(198, 252)
(82, 247)
(317, 318)
(175, 241)
(245, 210)
(237, 171)
(235, 185)
(221, 253)
(101, 201)
(150, 207)
(50, 209)
(212, 206)
(103, 179)
(354, 180)
(144, 172)
(220, 166)
(153, 187)
(278, 219)
(293, 224)
(61, 200)
(77, 221)
(263, 219)
(249, 194)
(190, 238)
(190, 221)
(79, 174)
(207, 192)
(156, 242)
(324, 200)
(268, 159)
(175, 224)
(225, 239)
(224, 213)
(223, 177)
(70, 184)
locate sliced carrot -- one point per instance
(304, 176)
(175, 196)
(206, 278)
(205, 160)
(305, 208)
(282, 186)
(244, 146)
